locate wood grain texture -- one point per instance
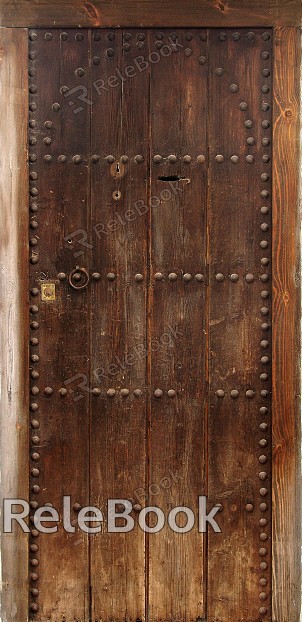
(14, 312)
(118, 348)
(151, 13)
(286, 334)
(59, 208)
(236, 325)
(177, 311)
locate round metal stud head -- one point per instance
(262, 611)
(111, 276)
(249, 278)
(171, 393)
(158, 276)
(76, 507)
(262, 475)
(234, 278)
(138, 159)
(201, 159)
(111, 393)
(243, 106)
(262, 459)
(137, 393)
(157, 159)
(63, 392)
(110, 159)
(95, 158)
(158, 393)
(96, 392)
(250, 394)
(172, 276)
(199, 278)
(34, 607)
(96, 276)
(187, 159)
(220, 393)
(172, 158)
(250, 159)
(77, 159)
(125, 392)
(139, 278)
(234, 393)
(234, 88)
(219, 277)
(234, 159)
(187, 277)
(219, 158)
(249, 507)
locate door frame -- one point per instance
(284, 16)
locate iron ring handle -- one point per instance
(73, 281)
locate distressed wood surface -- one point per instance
(14, 313)
(118, 347)
(236, 329)
(151, 13)
(286, 333)
(177, 311)
(59, 208)
(82, 332)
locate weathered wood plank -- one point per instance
(118, 344)
(286, 333)
(59, 206)
(14, 312)
(151, 13)
(177, 310)
(239, 301)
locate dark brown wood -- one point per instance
(118, 359)
(239, 304)
(177, 330)
(14, 313)
(151, 13)
(61, 208)
(286, 335)
(95, 447)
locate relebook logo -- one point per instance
(116, 519)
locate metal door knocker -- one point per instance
(79, 278)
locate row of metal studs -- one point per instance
(34, 341)
(138, 159)
(264, 360)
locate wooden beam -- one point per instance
(151, 13)
(14, 307)
(286, 328)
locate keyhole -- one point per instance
(117, 170)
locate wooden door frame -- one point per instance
(285, 17)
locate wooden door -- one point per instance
(150, 346)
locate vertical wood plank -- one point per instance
(177, 312)
(239, 323)
(286, 334)
(118, 359)
(59, 349)
(14, 310)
